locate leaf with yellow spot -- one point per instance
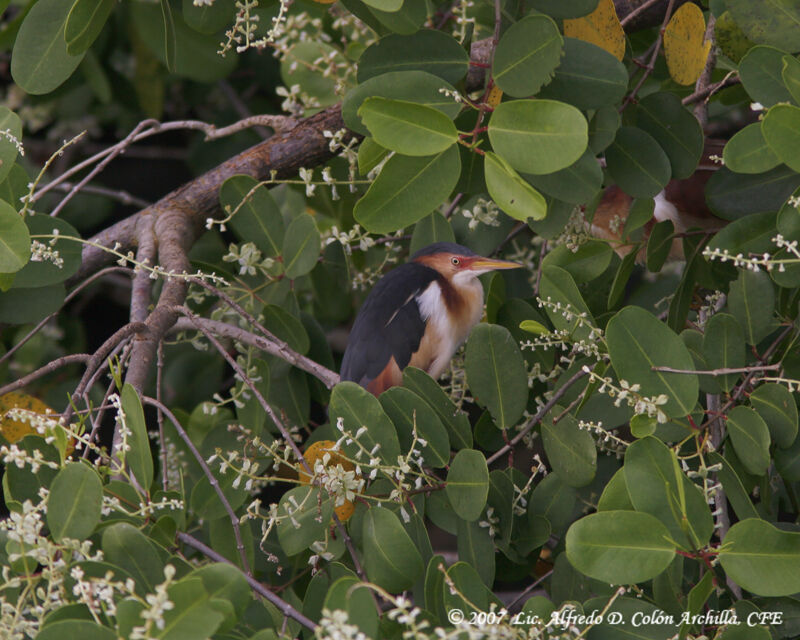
(685, 45)
(601, 27)
(495, 96)
(14, 428)
(318, 452)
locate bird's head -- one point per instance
(458, 263)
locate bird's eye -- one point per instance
(455, 261)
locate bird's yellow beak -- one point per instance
(486, 264)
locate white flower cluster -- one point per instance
(243, 31)
(159, 603)
(249, 258)
(483, 212)
(642, 405)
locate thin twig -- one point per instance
(537, 418)
(701, 109)
(528, 590)
(638, 10)
(160, 415)
(723, 371)
(728, 81)
(51, 366)
(284, 607)
(114, 194)
(209, 476)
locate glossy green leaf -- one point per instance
(11, 125)
(126, 547)
(15, 241)
(638, 341)
(781, 129)
(40, 274)
(775, 404)
(577, 183)
(358, 408)
(370, 154)
(732, 195)
(84, 629)
(413, 86)
(750, 437)
(138, 458)
(588, 77)
(76, 497)
(637, 163)
(84, 23)
(585, 264)
(510, 192)
(407, 190)
(433, 52)
(468, 484)
(760, 71)
(748, 152)
(408, 412)
(391, 560)
(456, 422)
(723, 347)
(751, 301)
(301, 246)
(674, 128)
(538, 136)
(620, 547)
(305, 514)
(259, 219)
(40, 61)
(761, 558)
(406, 127)
(496, 373)
(526, 55)
(615, 496)
(775, 22)
(657, 486)
(570, 450)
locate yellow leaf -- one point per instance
(684, 44)
(318, 452)
(495, 96)
(600, 27)
(12, 429)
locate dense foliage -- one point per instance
(619, 439)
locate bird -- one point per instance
(417, 315)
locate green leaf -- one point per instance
(40, 61)
(471, 594)
(12, 126)
(15, 240)
(576, 184)
(207, 18)
(760, 71)
(526, 55)
(385, 5)
(511, 193)
(456, 422)
(138, 458)
(723, 347)
(432, 228)
(615, 496)
(301, 246)
(570, 450)
(391, 559)
(359, 408)
(558, 286)
(129, 549)
(433, 52)
(300, 66)
(286, 327)
(638, 341)
(76, 497)
(775, 404)
(732, 195)
(584, 265)
(657, 486)
(349, 594)
(406, 127)
(193, 614)
(748, 152)
(781, 129)
(620, 547)
(603, 128)
(407, 20)
(84, 23)
(554, 501)
(496, 373)
(259, 219)
(674, 128)
(557, 131)
(40, 274)
(83, 629)
(637, 163)
(407, 411)
(775, 22)
(588, 77)
(761, 558)
(734, 489)
(751, 300)
(170, 43)
(413, 86)
(791, 76)
(370, 154)
(305, 514)
(19, 306)
(476, 548)
(659, 245)
(407, 190)
(561, 9)
(750, 437)
(468, 484)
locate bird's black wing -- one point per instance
(388, 324)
